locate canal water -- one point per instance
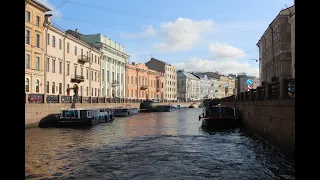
(171, 145)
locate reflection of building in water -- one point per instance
(152, 124)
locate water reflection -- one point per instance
(170, 145)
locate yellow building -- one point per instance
(34, 46)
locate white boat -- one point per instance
(85, 116)
(125, 111)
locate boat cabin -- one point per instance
(219, 111)
(77, 113)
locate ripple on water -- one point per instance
(151, 146)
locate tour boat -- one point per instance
(85, 116)
(220, 117)
(164, 108)
(127, 111)
(180, 106)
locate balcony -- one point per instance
(143, 87)
(77, 79)
(83, 59)
(115, 83)
(158, 89)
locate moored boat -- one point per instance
(82, 116)
(165, 108)
(180, 106)
(127, 111)
(220, 117)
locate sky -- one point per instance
(203, 35)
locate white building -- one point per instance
(113, 68)
(206, 90)
(188, 86)
(215, 84)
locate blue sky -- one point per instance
(204, 35)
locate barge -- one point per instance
(83, 116)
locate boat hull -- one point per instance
(227, 122)
(126, 112)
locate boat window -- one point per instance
(89, 114)
(225, 111)
(70, 114)
(83, 113)
(215, 111)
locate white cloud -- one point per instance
(224, 67)
(182, 34)
(148, 31)
(225, 51)
(54, 12)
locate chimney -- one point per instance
(76, 30)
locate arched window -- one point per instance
(27, 84)
(37, 85)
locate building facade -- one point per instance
(170, 74)
(206, 90)
(34, 46)
(143, 83)
(188, 86)
(215, 85)
(292, 22)
(227, 86)
(113, 68)
(275, 48)
(71, 65)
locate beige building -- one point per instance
(227, 86)
(275, 48)
(292, 22)
(71, 63)
(170, 75)
(34, 46)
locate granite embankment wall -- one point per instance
(272, 120)
(34, 112)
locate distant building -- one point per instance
(245, 83)
(292, 22)
(275, 48)
(188, 86)
(206, 89)
(144, 83)
(170, 74)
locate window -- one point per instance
(68, 50)
(53, 41)
(60, 88)
(131, 79)
(68, 69)
(53, 87)
(98, 77)
(91, 91)
(81, 52)
(28, 61)
(28, 16)
(87, 91)
(75, 71)
(98, 92)
(47, 64)
(95, 91)
(60, 44)
(47, 86)
(98, 60)
(81, 71)
(112, 76)
(108, 76)
(87, 75)
(48, 39)
(38, 41)
(75, 50)
(95, 76)
(27, 85)
(102, 74)
(38, 21)
(91, 57)
(95, 58)
(121, 78)
(91, 75)
(37, 63)
(27, 37)
(80, 90)
(53, 66)
(60, 67)
(37, 86)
